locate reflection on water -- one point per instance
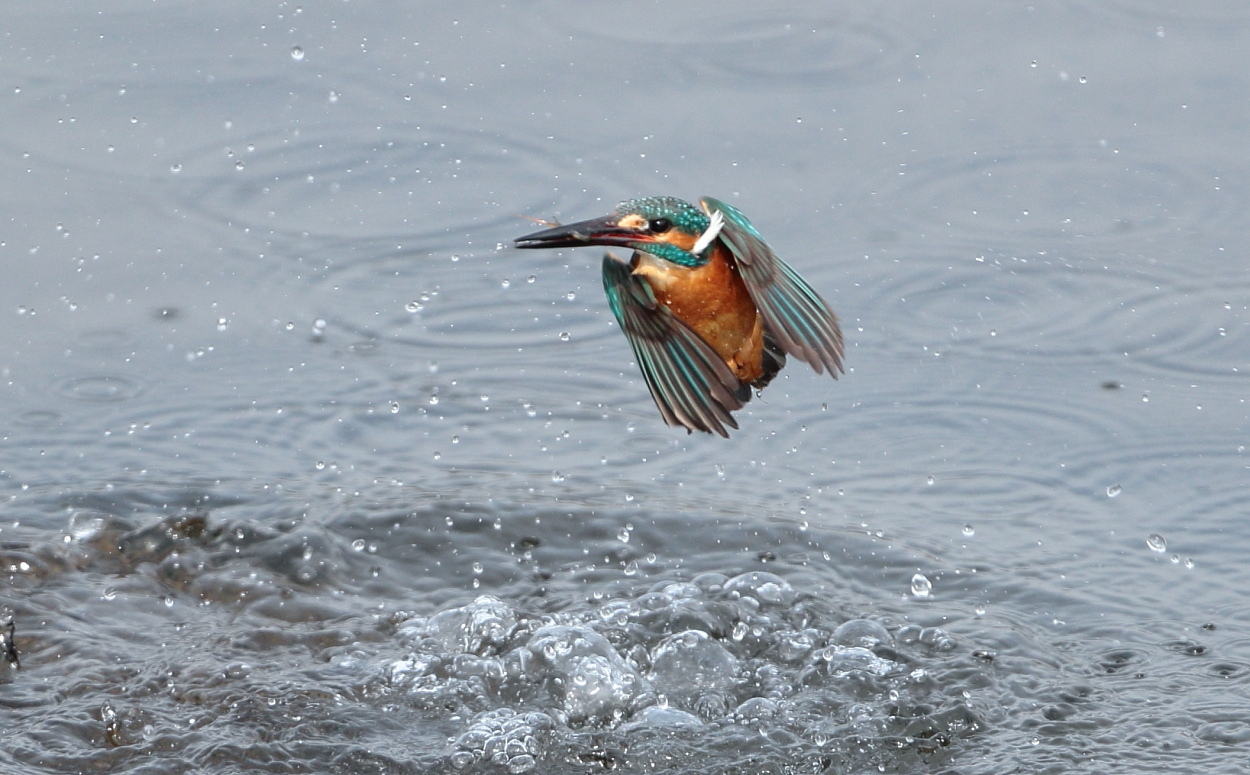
(302, 469)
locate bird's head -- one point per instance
(664, 226)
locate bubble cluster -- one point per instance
(713, 655)
(505, 738)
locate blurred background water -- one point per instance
(304, 469)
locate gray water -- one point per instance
(304, 469)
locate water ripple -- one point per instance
(418, 183)
(1013, 307)
(103, 388)
(850, 44)
(1201, 12)
(1035, 198)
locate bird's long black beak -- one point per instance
(596, 231)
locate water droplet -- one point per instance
(969, 530)
(531, 278)
(414, 307)
(175, 168)
(320, 465)
(570, 295)
(1157, 543)
(506, 283)
(222, 324)
(921, 587)
(358, 545)
(565, 336)
(557, 477)
(109, 593)
(394, 407)
(930, 480)
(297, 53)
(1082, 79)
(1114, 490)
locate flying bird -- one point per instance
(710, 310)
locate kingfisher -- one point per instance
(709, 309)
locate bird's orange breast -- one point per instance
(713, 300)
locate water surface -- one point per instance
(304, 469)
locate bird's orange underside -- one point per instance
(713, 300)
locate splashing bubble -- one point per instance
(768, 588)
(863, 633)
(690, 667)
(921, 587)
(838, 660)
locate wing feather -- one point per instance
(691, 385)
(799, 320)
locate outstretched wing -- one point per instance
(690, 383)
(798, 319)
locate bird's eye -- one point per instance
(659, 225)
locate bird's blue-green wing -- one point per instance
(691, 385)
(794, 314)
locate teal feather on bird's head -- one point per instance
(683, 216)
(680, 213)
